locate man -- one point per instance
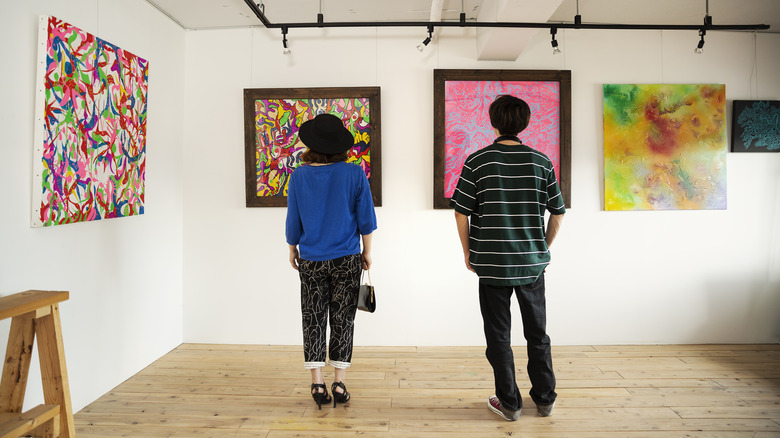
(505, 189)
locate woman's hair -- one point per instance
(312, 156)
(509, 115)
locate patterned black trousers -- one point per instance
(329, 289)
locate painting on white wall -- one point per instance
(755, 126)
(665, 147)
(90, 135)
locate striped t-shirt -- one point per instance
(506, 190)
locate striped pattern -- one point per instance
(506, 189)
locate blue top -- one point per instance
(328, 209)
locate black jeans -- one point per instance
(494, 302)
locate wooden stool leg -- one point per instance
(17, 363)
(54, 374)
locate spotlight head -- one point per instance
(286, 50)
(554, 42)
(422, 45)
(427, 40)
(700, 47)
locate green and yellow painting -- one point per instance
(664, 147)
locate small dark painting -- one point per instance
(755, 126)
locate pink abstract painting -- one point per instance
(91, 136)
(467, 124)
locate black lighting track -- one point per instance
(462, 23)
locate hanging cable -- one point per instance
(578, 17)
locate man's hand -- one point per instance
(468, 264)
(463, 233)
(553, 225)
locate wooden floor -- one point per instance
(200, 390)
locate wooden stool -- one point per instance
(35, 312)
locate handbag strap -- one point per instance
(369, 276)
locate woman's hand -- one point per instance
(366, 260)
(366, 254)
(295, 259)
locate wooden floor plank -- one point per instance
(262, 391)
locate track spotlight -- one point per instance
(700, 47)
(554, 43)
(286, 50)
(427, 40)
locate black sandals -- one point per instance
(320, 397)
(339, 397)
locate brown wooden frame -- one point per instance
(252, 94)
(440, 77)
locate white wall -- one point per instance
(616, 277)
(123, 275)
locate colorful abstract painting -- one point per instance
(467, 124)
(464, 97)
(90, 149)
(278, 148)
(274, 149)
(755, 126)
(664, 147)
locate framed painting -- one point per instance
(272, 117)
(461, 99)
(90, 128)
(665, 146)
(755, 126)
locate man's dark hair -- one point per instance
(509, 114)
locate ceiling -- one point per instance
(215, 14)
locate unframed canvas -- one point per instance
(664, 146)
(90, 133)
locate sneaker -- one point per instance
(495, 405)
(545, 410)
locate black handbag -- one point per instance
(366, 297)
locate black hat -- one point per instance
(326, 134)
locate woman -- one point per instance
(329, 211)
